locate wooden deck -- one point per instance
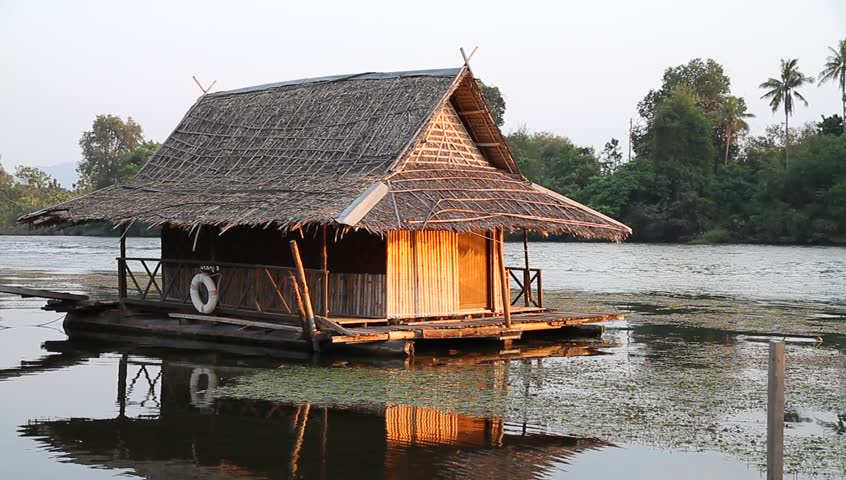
(490, 327)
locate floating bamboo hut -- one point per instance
(336, 210)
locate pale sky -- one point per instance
(576, 69)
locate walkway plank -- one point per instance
(235, 321)
(34, 292)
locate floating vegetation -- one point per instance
(666, 387)
(742, 316)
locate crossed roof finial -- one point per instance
(468, 57)
(204, 89)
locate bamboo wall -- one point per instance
(496, 246)
(423, 274)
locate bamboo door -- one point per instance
(473, 277)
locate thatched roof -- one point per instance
(380, 151)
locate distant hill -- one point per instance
(65, 173)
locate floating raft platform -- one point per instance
(391, 340)
(363, 335)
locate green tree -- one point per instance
(835, 72)
(623, 193)
(781, 92)
(9, 208)
(705, 80)
(105, 151)
(137, 158)
(683, 150)
(832, 125)
(709, 86)
(36, 189)
(611, 157)
(29, 189)
(493, 97)
(553, 161)
(732, 116)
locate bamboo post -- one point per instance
(775, 412)
(527, 287)
(300, 308)
(540, 289)
(324, 261)
(306, 295)
(122, 264)
(505, 290)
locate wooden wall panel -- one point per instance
(246, 288)
(357, 295)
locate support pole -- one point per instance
(527, 278)
(122, 264)
(121, 393)
(775, 412)
(309, 311)
(324, 262)
(505, 290)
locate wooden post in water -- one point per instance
(121, 394)
(505, 290)
(527, 278)
(122, 264)
(309, 311)
(775, 412)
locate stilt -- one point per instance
(121, 393)
(527, 277)
(505, 290)
(122, 264)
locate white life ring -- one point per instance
(205, 397)
(206, 280)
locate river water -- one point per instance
(678, 390)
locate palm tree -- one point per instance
(732, 114)
(781, 92)
(835, 71)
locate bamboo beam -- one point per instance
(306, 295)
(300, 308)
(324, 262)
(503, 280)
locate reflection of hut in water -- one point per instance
(190, 437)
(398, 187)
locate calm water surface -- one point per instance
(757, 272)
(642, 402)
